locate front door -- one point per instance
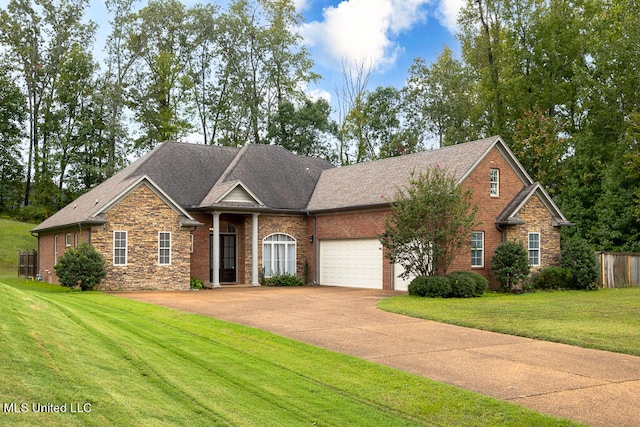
(228, 258)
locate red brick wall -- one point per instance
(370, 224)
(200, 256)
(351, 225)
(46, 254)
(488, 209)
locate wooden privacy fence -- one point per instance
(618, 269)
(28, 264)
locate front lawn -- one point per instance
(607, 319)
(112, 361)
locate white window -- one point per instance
(477, 249)
(119, 248)
(534, 249)
(279, 255)
(495, 183)
(164, 248)
(67, 239)
(76, 239)
(55, 248)
(191, 247)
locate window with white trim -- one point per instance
(55, 249)
(164, 248)
(279, 255)
(494, 183)
(477, 249)
(67, 239)
(120, 248)
(534, 249)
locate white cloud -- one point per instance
(447, 13)
(363, 31)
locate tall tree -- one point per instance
(440, 100)
(158, 36)
(37, 36)
(305, 130)
(13, 113)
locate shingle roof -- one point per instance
(509, 216)
(276, 176)
(193, 176)
(375, 183)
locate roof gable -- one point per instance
(509, 216)
(374, 183)
(273, 176)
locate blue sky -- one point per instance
(388, 34)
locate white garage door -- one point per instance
(400, 284)
(354, 263)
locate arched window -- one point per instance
(279, 255)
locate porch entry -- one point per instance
(228, 253)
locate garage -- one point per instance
(353, 263)
(400, 284)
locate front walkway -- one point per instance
(596, 387)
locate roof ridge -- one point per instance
(236, 159)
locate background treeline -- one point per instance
(558, 80)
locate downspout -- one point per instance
(315, 253)
(501, 230)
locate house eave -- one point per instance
(98, 220)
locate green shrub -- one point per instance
(480, 283)
(196, 283)
(283, 280)
(462, 286)
(579, 257)
(510, 264)
(552, 278)
(430, 286)
(82, 266)
(418, 286)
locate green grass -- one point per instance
(14, 236)
(607, 319)
(144, 365)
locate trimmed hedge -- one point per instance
(283, 280)
(459, 284)
(552, 278)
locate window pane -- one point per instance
(280, 263)
(477, 249)
(119, 247)
(267, 260)
(291, 258)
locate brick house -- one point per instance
(227, 215)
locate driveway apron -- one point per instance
(595, 387)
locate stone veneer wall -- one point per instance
(143, 215)
(537, 220)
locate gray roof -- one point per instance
(271, 178)
(191, 176)
(375, 183)
(509, 216)
(276, 176)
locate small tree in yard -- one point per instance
(82, 266)
(431, 220)
(510, 263)
(579, 257)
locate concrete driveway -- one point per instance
(596, 387)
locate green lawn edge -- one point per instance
(140, 364)
(606, 319)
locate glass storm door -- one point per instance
(228, 258)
